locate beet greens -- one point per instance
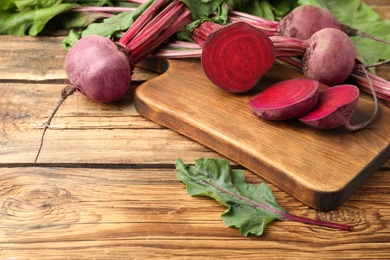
(249, 207)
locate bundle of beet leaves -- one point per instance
(238, 42)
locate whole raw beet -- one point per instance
(305, 20)
(99, 68)
(330, 57)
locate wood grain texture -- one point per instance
(95, 196)
(100, 213)
(285, 153)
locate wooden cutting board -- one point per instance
(321, 168)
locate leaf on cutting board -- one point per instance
(249, 207)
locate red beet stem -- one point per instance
(266, 26)
(316, 222)
(178, 49)
(150, 39)
(365, 79)
(145, 18)
(154, 28)
(284, 215)
(203, 31)
(294, 47)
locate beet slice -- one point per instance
(334, 109)
(286, 99)
(236, 56)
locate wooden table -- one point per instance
(105, 184)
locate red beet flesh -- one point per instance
(235, 57)
(99, 69)
(334, 109)
(286, 99)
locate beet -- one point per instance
(334, 109)
(236, 56)
(108, 77)
(305, 20)
(286, 99)
(330, 57)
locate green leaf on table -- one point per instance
(249, 207)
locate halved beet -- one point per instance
(236, 56)
(286, 99)
(334, 109)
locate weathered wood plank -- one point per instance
(69, 212)
(40, 59)
(84, 126)
(100, 146)
(133, 207)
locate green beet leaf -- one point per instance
(119, 22)
(42, 16)
(249, 207)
